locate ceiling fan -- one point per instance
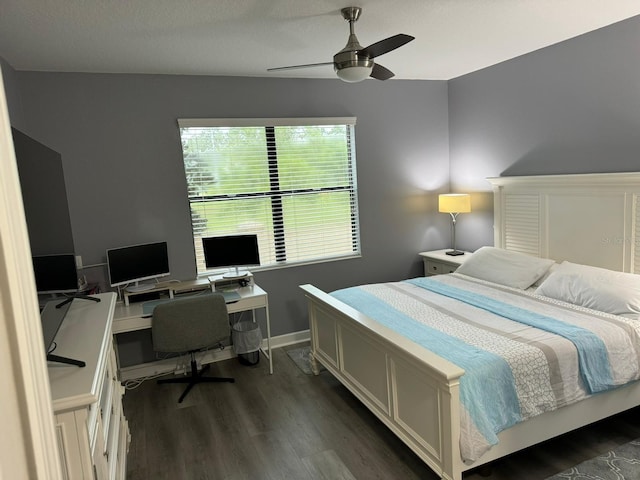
(354, 63)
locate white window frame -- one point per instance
(279, 239)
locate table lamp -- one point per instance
(453, 204)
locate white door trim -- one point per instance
(28, 444)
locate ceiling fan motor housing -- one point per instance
(349, 56)
(348, 59)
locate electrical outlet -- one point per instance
(79, 261)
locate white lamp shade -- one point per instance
(454, 203)
(354, 74)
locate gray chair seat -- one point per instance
(189, 325)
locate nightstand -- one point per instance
(437, 262)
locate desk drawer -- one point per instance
(131, 324)
(247, 304)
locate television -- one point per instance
(55, 273)
(136, 263)
(231, 251)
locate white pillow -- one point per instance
(593, 287)
(538, 282)
(505, 267)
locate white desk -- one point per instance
(131, 318)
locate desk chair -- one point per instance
(189, 325)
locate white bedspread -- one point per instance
(513, 369)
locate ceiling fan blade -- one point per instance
(386, 45)
(381, 73)
(292, 67)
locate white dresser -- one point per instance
(92, 430)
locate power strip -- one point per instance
(183, 367)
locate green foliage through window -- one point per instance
(292, 185)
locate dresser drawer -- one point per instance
(438, 268)
(437, 262)
(433, 268)
(447, 268)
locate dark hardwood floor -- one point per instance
(295, 426)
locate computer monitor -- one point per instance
(55, 273)
(136, 263)
(231, 251)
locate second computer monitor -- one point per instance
(231, 251)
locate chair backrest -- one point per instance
(190, 323)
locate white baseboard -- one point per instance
(181, 364)
(289, 339)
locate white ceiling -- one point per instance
(245, 37)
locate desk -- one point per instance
(131, 318)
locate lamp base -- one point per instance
(454, 253)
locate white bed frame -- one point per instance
(591, 219)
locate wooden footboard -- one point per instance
(411, 390)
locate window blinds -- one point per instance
(292, 182)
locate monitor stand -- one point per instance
(69, 361)
(52, 316)
(78, 295)
(140, 287)
(235, 274)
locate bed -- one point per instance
(421, 393)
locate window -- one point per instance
(292, 182)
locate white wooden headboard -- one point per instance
(586, 218)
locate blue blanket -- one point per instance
(487, 389)
(592, 353)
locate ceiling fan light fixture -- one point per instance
(354, 74)
(351, 67)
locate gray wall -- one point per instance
(120, 148)
(12, 93)
(570, 108)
